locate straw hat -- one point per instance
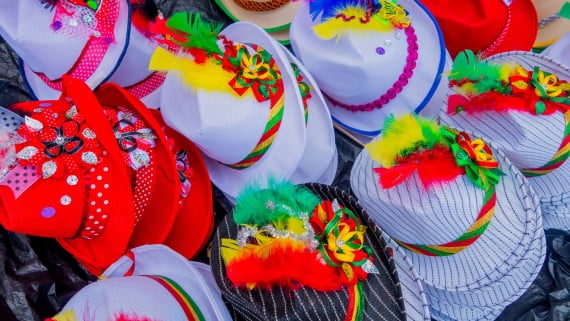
(529, 125)
(272, 15)
(86, 41)
(152, 282)
(280, 292)
(471, 235)
(553, 21)
(369, 70)
(247, 118)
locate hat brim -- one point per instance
(507, 238)
(195, 220)
(160, 260)
(286, 151)
(99, 252)
(320, 148)
(551, 32)
(383, 295)
(160, 211)
(423, 92)
(522, 17)
(40, 90)
(272, 21)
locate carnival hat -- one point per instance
(272, 15)
(195, 219)
(519, 101)
(152, 282)
(320, 160)
(85, 40)
(295, 252)
(247, 116)
(553, 21)
(133, 74)
(486, 27)
(371, 61)
(466, 215)
(71, 182)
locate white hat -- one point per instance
(65, 38)
(370, 70)
(133, 74)
(484, 240)
(320, 159)
(515, 124)
(559, 50)
(258, 136)
(160, 285)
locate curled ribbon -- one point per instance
(256, 72)
(65, 139)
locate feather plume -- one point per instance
(193, 73)
(126, 317)
(328, 8)
(194, 32)
(480, 76)
(277, 202)
(401, 135)
(282, 262)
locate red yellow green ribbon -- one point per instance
(184, 300)
(558, 159)
(467, 238)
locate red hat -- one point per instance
(195, 220)
(489, 26)
(152, 169)
(71, 182)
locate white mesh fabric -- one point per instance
(408, 213)
(35, 41)
(350, 70)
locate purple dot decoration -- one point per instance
(380, 50)
(48, 212)
(56, 25)
(108, 40)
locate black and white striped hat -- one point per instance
(386, 298)
(529, 141)
(487, 275)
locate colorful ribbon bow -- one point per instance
(475, 156)
(185, 172)
(133, 138)
(256, 72)
(61, 140)
(304, 89)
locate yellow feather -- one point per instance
(337, 27)
(402, 134)
(207, 76)
(508, 70)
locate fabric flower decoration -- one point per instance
(185, 172)
(133, 137)
(57, 141)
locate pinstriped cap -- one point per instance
(490, 273)
(528, 140)
(383, 299)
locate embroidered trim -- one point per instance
(397, 87)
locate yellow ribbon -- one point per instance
(481, 155)
(340, 244)
(549, 83)
(253, 70)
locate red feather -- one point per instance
(286, 266)
(124, 317)
(493, 101)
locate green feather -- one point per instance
(197, 32)
(280, 200)
(486, 76)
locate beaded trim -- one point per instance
(397, 87)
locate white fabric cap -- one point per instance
(100, 73)
(529, 141)
(411, 214)
(141, 297)
(320, 148)
(559, 50)
(227, 128)
(35, 41)
(351, 71)
(133, 70)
